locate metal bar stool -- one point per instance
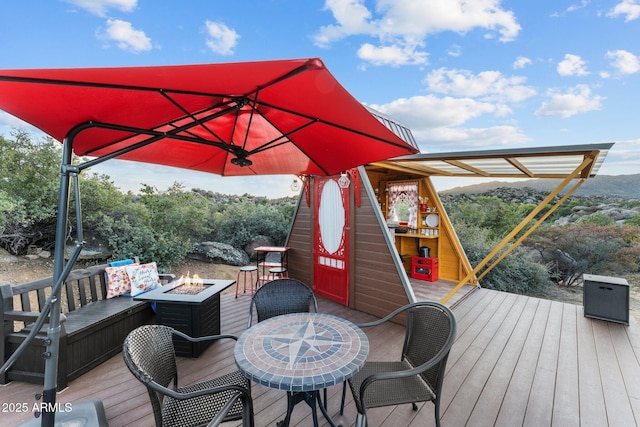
(278, 273)
(246, 270)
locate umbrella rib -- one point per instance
(172, 134)
(157, 135)
(43, 81)
(195, 120)
(274, 142)
(253, 109)
(338, 126)
(311, 64)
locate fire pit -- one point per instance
(189, 286)
(187, 290)
(189, 306)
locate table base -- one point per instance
(312, 398)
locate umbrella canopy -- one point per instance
(251, 118)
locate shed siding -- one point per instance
(301, 243)
(378, 288)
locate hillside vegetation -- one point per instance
(584, 235)
(158, 226)
(596, 234)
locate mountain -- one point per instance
(611, 186)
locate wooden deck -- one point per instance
(516, 361)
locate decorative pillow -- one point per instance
(144, 277)
(118, 282)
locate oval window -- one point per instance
(331, 217)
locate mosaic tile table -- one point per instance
(302, 354)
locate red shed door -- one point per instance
(331, 254)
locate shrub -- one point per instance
(516, 273)
(572, 250)
(634, 220)
(240, 222)
(599, 218)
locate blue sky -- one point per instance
(463, 75)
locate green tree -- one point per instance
(29, 172)
(155, 226)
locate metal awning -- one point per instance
(534, 162)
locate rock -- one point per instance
(7, 257)
(44, 254)
(257, 241)
(31, 257)
(89, 252)
(216, 252)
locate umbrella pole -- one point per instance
(53, 333)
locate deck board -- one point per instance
(516, 361)
(567, 398)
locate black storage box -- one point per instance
(605, 298)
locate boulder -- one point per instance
(7, 257)
(44, 254)
(219, 253)
(257, 241)
(89, 252)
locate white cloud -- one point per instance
(574, 7)
(10, 123)
(458, 139)
(623, 158)
(625, 62)
(129, 176)
(391, 55)
(401, 26)
(352, 17)
(100, 7)
(572, 65)
(126, 37)
(424, 112)
(221, 39)
(521, 62)
(487, 85)
(578, 99)
(630, 9)
(455, 51)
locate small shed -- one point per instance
(348, 244)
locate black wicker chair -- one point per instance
(418, 376)
(149, 354)
(282, 296)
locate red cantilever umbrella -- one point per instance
(253, 118)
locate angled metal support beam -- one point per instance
(586, 163)
(531, 229)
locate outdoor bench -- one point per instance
(93, 327)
